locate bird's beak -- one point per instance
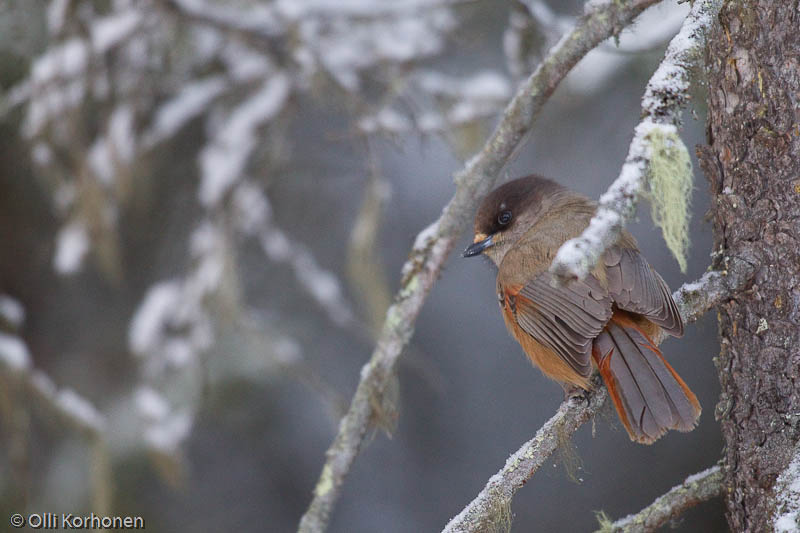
(482, 242)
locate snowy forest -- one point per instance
(232, 296)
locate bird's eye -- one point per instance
(504, 218)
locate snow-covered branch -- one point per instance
(521, 466)
(252, 216)
(460, 102)
(434, 244)
(664, 98)
(16, 362)
(695, 489)
(694, 299)
(261, 22)
(64, 404)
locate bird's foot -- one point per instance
(575, 394)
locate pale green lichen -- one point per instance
(393, 318)
(412, 285)
(498, 515)
(384, 403)
(568, 454)
(670, 190)
(605, 522)
(325, 483)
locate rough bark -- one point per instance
(753, 165)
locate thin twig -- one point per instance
(664, 98)
(695, 489)
(434, 244)
(520, 467)
(364, 269)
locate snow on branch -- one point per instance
(460, 101)
(16, 362)
(190, 102)
(169, 332)
(694, 299)
(664, 98)
(430, 252)
(223, 160)
(261, 21)
(252, 215)
(64, 404)
(695, 489)
(493, 502)
(326, 37)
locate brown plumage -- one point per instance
(613, 320)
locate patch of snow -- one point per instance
(147, 326)
(151, 404)
(56, 15)
(109, 31)
(42, 154)
(787, 497)
(121, 135)
(191, 101)
(100, 161)
(223, 160)
(72, 243)
(178, 352)
(251, 208)
(11, 311)
(426, 235)
(80, 409)
(168, 434)
(276, 245)
(44, 384)
(244, 64)
(14, 353)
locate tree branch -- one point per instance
(434, 244)
(261, 24)
(693, 299)
(665, 96)
(695, 489)
(492, 504)
(66, 405)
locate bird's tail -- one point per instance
(649, 395)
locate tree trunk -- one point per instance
(753, 165)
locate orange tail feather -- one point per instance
(648, 394)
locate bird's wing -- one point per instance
(635, 286)
(565, 318)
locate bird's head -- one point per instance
(506, 213)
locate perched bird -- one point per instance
(613, 320)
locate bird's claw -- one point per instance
(575, 394)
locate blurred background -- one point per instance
(204, 209)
